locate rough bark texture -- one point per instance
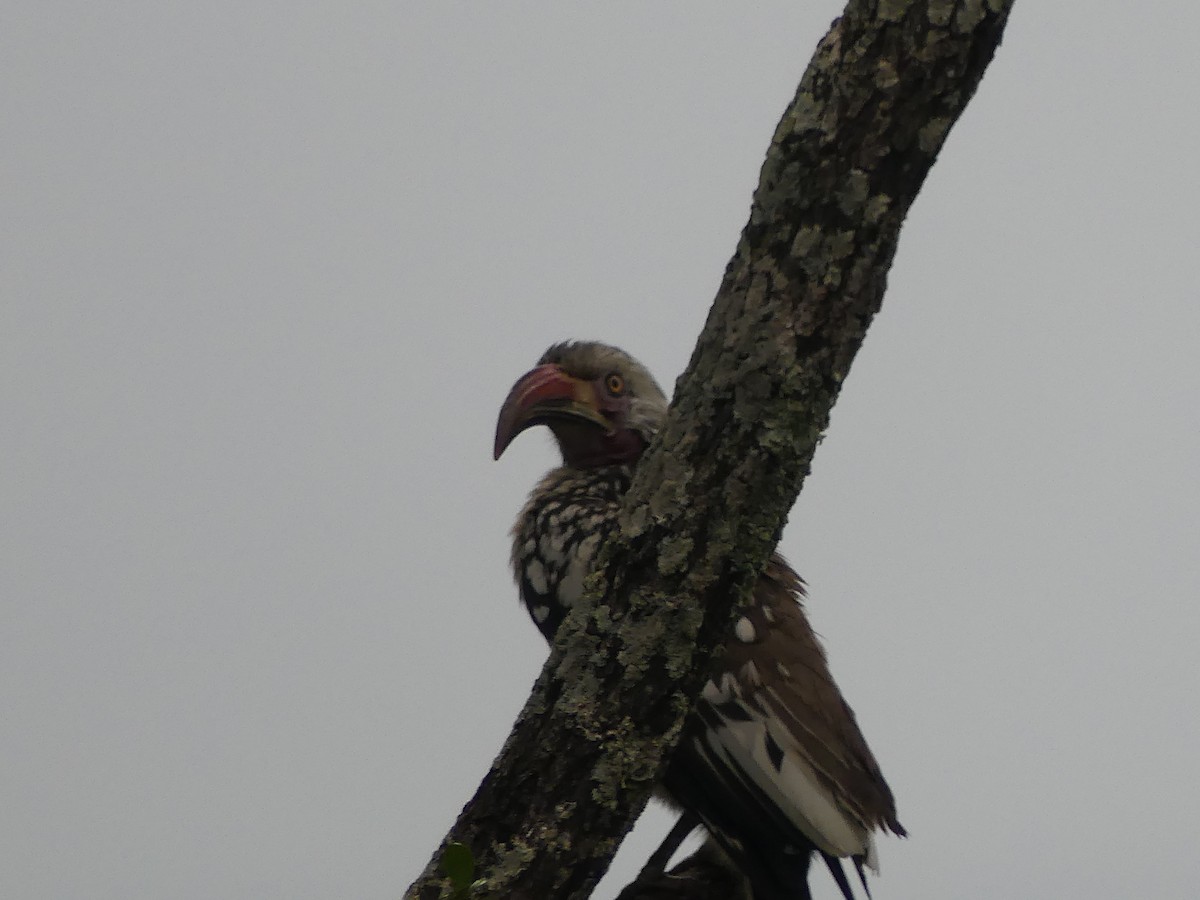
(711, 496)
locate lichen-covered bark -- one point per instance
(711, 496)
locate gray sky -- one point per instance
(267, 272)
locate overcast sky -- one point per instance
(267, 271)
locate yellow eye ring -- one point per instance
(615, 384)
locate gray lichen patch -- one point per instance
(511, 860)
(631, 758)
(806, 241)
(933, 134)
(970, 14)
(893, 10)
(876, 208)
(579, 704)
(940, 12)
(601, 616)
(841, 244)
(886, 76)
(854, 192)
(674, 553)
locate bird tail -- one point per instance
(839, 875)
(862, 875)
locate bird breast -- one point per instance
(558, 535)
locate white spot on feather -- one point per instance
(535, 574)
(587, 547)
(750, 674)
(729, 686)
(712, 693)
(579, 566)
(570, 588)
(744, 629)
(551, 548)
(540, 613)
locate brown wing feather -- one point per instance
(789, 675)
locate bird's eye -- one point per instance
(615, 384)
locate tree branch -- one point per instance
(711, 496)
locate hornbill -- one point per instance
(772, 761)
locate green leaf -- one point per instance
(459, 866)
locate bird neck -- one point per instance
(599, 489)
(583, 446)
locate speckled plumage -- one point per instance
(558, 534)
(772, 760)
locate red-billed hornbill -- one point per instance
(772, 760)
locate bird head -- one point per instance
(601, 404)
